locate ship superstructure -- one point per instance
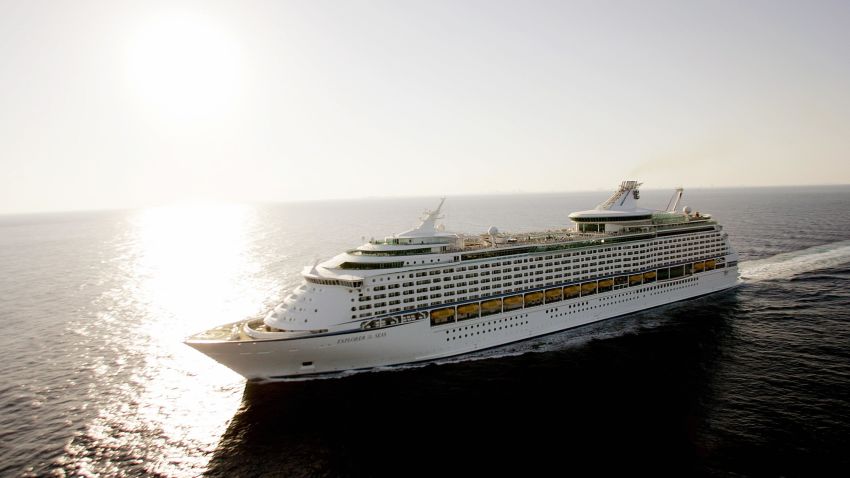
(425, 294)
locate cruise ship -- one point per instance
(427, 294)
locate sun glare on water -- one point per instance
(185, 268)
(183, 65)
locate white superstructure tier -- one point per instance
(425, 293)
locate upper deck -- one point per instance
(619, 219)
(511, 240)
(484, 241)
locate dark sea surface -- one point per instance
(96, 381)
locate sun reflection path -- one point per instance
(187, 268)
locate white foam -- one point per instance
(790, 264)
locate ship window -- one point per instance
(370, 265)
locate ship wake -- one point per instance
(790, 264)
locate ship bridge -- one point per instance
(402, 249)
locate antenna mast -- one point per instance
(674, 200)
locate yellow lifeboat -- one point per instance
(513, 302)
(571, 291)
(442, 316)
(533, 298)
(606, 283)
(649, 276)
(709, 265)
(588, 288)
(699, 266)
(493, 306)
(635, 279)
(467, 311)
(553, 295)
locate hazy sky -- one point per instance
(108, 104)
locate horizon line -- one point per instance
(201, 200)
(373, 198)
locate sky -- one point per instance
(122, 104)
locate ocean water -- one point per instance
(96, 382)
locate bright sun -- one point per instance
(183, 65)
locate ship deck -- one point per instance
(247, 331)
(232, 332)
(502, 240)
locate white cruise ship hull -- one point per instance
(420, 341)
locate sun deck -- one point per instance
(552, 237)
